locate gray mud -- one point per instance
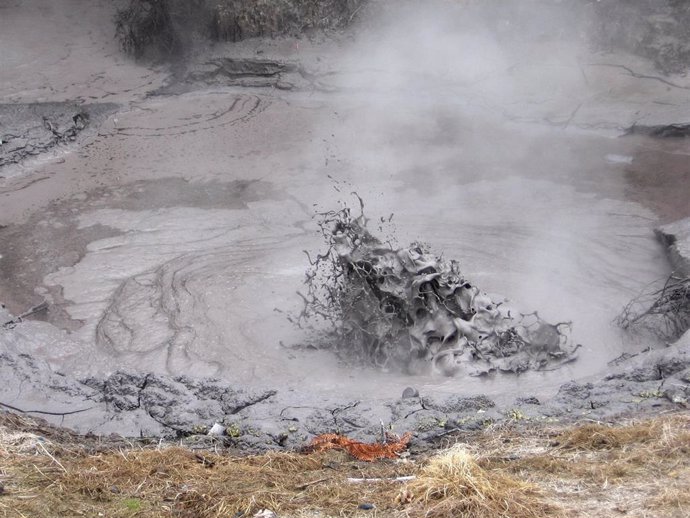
(137, 404)
(167, 239)
(29, 130)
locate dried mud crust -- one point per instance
(31, 129)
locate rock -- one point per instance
(410, 392)
(366, 507)
(217, 430)
(676, 237)
(459, 404)
(529, 400)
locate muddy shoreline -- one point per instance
(172, 203)
(134, 404)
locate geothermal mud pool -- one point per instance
(167, 236)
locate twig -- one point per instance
(53, 458)
(36, 309)
(354, 13)
(371, 480)
(42, 411)
(313, 483)
(639, 76)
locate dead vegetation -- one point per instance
(147, 25)
(234, 20)
(163, 28)
(663, 312)
(654, 29)
(634, 469)
(389, 449)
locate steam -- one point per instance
(457, 117)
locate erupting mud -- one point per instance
(408, 308)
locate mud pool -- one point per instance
(169, 238)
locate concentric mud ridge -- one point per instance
(189, 116)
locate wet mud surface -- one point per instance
(167, 239)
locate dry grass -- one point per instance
(453, 484)
(634, 469)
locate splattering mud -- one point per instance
(407, 308)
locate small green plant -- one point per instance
(199, 429)
(516, 414)
(651, 394)
(233, 431)
(133, 504)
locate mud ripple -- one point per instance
(193, 113)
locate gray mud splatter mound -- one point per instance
(410, 310)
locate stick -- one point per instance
(367, 480)
(306, 485)
(53, 458)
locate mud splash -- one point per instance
(410, 309)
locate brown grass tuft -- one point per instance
(454, 484)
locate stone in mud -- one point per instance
(410, 392)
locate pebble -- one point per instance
(217, 430)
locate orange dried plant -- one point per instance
(360, 450)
